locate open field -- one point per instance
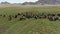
(29, 26)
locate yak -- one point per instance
(53, 18)
(58, 15)
(10, 17)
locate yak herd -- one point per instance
(28, 15)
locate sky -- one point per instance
(18, 1)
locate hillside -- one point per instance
(49, 1)
(42, 2)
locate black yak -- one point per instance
(4, 15)
(16, 16)
(58, 15)
(10, 17)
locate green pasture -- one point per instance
(29, 26)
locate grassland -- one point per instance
(29, 26)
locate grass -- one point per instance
(29, 26)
